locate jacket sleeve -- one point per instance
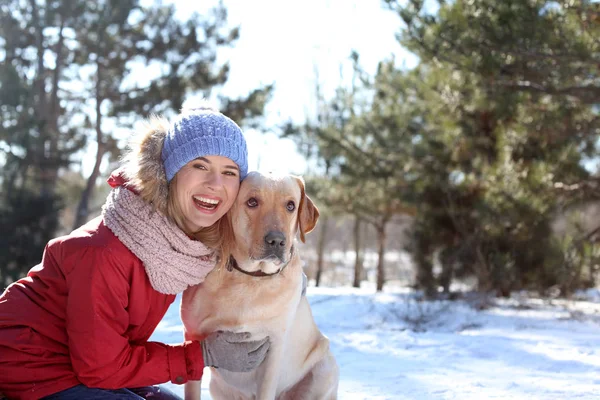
(97, 321)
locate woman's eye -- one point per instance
(199, 166)
(290, 206)
(230, 173)
(252, 202)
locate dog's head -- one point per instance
(266, 215)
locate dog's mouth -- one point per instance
(263, 265)
(274, 260)
(277, 258)
(206, 203)
(271, 259)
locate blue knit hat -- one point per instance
(202, 132)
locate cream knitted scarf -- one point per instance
(172, 260)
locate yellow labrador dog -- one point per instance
(260, 293)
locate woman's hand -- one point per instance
(232, 351)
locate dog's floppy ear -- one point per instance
(308, 213)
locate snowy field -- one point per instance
(390, 346)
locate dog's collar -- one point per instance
(232, 264)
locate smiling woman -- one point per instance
(203, 190)
(78, 325)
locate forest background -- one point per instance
(464, 158)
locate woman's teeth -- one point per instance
(203, 202)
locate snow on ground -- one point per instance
(391, 346)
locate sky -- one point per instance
(391, 347)
(285, 43)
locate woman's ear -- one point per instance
(308, 213)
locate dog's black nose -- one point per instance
(275, 239)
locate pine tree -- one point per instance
(75, 69)
(362, 140)
(35, 135)
(119, 39)
(513, 85)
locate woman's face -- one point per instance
(206, 189)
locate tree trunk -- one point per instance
(446, 258)
(41, 157)
(358, 267)
(425, 279)
(81, 216)
(83, 210)
(381, 256)
(321, 249)
(54, 108)
(482, 271)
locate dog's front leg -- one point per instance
(267, 387)
(192, 390)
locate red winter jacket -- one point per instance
(83, 316)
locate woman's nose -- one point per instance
(214, 180)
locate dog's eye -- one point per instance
(290, 206)
(252, 202)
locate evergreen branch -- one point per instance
(587, 94)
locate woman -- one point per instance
(78, 325)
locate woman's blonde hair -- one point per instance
(218, 237)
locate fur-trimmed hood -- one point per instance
(142, 165)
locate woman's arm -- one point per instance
(97, 320)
